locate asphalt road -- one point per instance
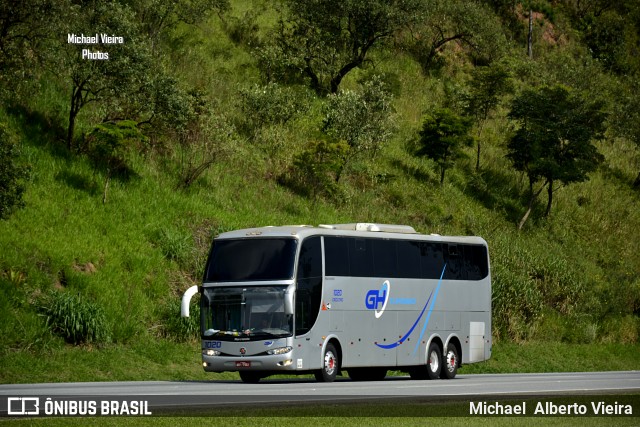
(225, 392)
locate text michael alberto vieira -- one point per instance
(549, 408)
(94, 39)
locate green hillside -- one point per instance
(117, 173)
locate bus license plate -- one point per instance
(243, 364)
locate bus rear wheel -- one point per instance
(250, 377)
(451, 363)
(330, 364)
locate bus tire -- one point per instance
(434, 361)
(450, 363)
(330, 364)
(250, 377)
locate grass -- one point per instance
(166, 360)
(324, 421)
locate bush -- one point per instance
(180, 328)
(75, 319)
(272, 104)
(12, 175)
(317, 168)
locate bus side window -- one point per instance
(309, 281)
(408, 254)
(336, 256)
(432, 260)
(476, 262)
(385, 258)
(310, 261)
(454, 256)
(361, 257)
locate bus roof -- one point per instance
(384, 231)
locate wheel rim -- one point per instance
(433, 361)
(451, 361)
(329, 363)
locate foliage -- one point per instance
(327, 39)
(317, 168)
(554, 141)
(442, 138)
(113, 79)
(443, 22)
(362, 119)
(570, 278)
(13, 175)
(624, 121)
(75, 319)
(609, 40)
(108, 144)
(26, 27)
(178, 328)
(488, 85)
(271, 104)
(205, 139)
(160, 17)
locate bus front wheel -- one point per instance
(433, 367)
(434, 361)
(330, 364)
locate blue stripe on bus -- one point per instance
(401, 340)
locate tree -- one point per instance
(443, 22)
(624, 120)
(442, 138)
(317, 167)
(206, 139)
(488, 85)
(361, 119)
(12, 175)
(326, 39)
(158, 17)
(553, 143)
(109, 144)
(25, 26)
(93, 77)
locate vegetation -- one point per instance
(212, 116)
(443, 137)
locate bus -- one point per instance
(362, 298)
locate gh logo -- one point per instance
(376, 298)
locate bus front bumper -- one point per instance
(280, 362)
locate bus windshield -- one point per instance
(252, 259)
(245, 313)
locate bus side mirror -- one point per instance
(186, 300)
(288, 301)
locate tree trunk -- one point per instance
(636, 183)
(72, 119)
(106, 187)
(442, 170)
(550, 200)
(532, 200)
(479, 133)
(530, 38)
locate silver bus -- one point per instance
(362, 298)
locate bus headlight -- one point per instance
(281, 350)
(210, 352)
